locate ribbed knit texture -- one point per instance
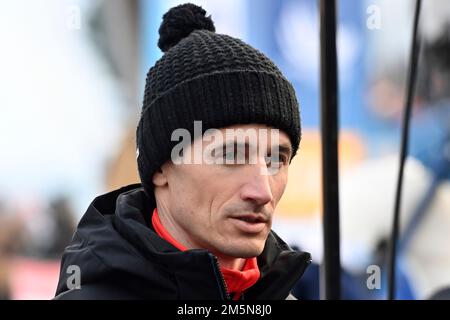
(218, 80)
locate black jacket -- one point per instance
(119, 256)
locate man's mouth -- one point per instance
(251, 223)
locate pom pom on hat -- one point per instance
(179, 22)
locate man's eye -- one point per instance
(236, 157)
(275, 160)
(229, 156)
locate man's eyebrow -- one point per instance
(282, 148)
(235, 144)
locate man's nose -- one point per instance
(257, 188)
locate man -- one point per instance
(199, 227)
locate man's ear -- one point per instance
(159, 178)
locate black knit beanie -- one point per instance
(209, 77)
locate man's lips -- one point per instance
(250, 223)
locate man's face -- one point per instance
(226, 204)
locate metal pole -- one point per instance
(331, 267)
(412, 72)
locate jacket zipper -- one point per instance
(219, 276)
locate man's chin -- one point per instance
(247, 252)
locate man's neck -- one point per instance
(231, 262)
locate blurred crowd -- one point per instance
(32, 233)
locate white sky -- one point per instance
(59, 107)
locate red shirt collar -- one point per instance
(237, 280)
